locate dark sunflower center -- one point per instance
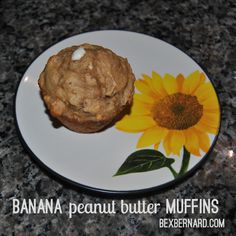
(177, 111)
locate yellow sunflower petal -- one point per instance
(204, 141)
(144, 87)
(144, 98)
(208, 123)
(156, 146)
(211, 110)
(201, 81)
(151, 136)
(211, 103)
(192, 82)
(204, 127)
(177, 141)
(211, 119)
(134, 124)
(157, 83)
(179, 81)
(204, 92)
(147, 78)
(170, 84)
(192, 142)
(202, 77)
(166, 144)
(140, 108)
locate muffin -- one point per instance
(86, 87)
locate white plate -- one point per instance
(91, 160)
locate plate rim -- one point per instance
(106, 192)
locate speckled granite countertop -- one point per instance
(206, 30)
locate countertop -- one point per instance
(205, 30)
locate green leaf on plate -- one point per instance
(144, 160)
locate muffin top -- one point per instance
(86, 82)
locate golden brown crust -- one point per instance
(87, 94)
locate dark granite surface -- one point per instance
(206, 30)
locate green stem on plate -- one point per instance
(175, 174)
(184, 165)
(185, 162)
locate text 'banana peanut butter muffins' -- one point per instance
(86, 87)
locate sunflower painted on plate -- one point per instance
(180, 112)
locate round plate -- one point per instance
(93, 161)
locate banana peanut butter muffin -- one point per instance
(86, 87)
